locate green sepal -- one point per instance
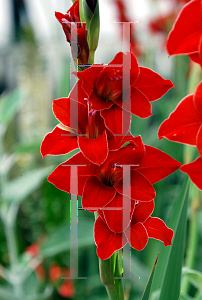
(81, 12)
(92, 25)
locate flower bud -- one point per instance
(92, 19)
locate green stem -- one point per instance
(91, 57)
(12, 249)
(107, 277)
(118, 273)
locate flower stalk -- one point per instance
(107, 277)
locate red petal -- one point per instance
(60, 177)
(97, 103)
(88, 77)
(183, 123)
(140, 105)
(118, 60)
(157, 229)
(79, 111)
(96, 194)
(95, 150)
(107, 241)
(199, 141)
(195, 57)
(157, 165)
(141, 189)
(58, 142)
(142, 212)
(137, 236)
(186, 32)
(197, 98)
(194, 171)
(113, 119)
(129, 155)
(116, 142)
(151, 84)
(113, 213)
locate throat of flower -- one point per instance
(91, 130)
(113, 174)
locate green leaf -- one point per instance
(59, 241)
(195, 277)
(7, 294)
(9, 105)
(30, 285)
(165, 251)
(185, 297)
(149, 283)
(171, 283)
(20, 188)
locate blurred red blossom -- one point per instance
(123, 17)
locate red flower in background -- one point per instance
(142, 227)
(194, 171)
(98, 185)
(185, 36)
(163, 23)
(72, 15)
(67, 289)
(103, 85)
(184, 125)
(33, 249)
(123, 17)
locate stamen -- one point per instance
(66, 128)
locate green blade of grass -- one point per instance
(149, 283)
(171, 283)
(165, 251)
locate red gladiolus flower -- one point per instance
(98, 185)
(67, 289)
(194, 170)
(184, 125)
(72, 15)
(87, 132)
(55, 273)
(162, 23)
(142, 227)
(103, 85)
(185, 36)
(33, 249)
(123, 17)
